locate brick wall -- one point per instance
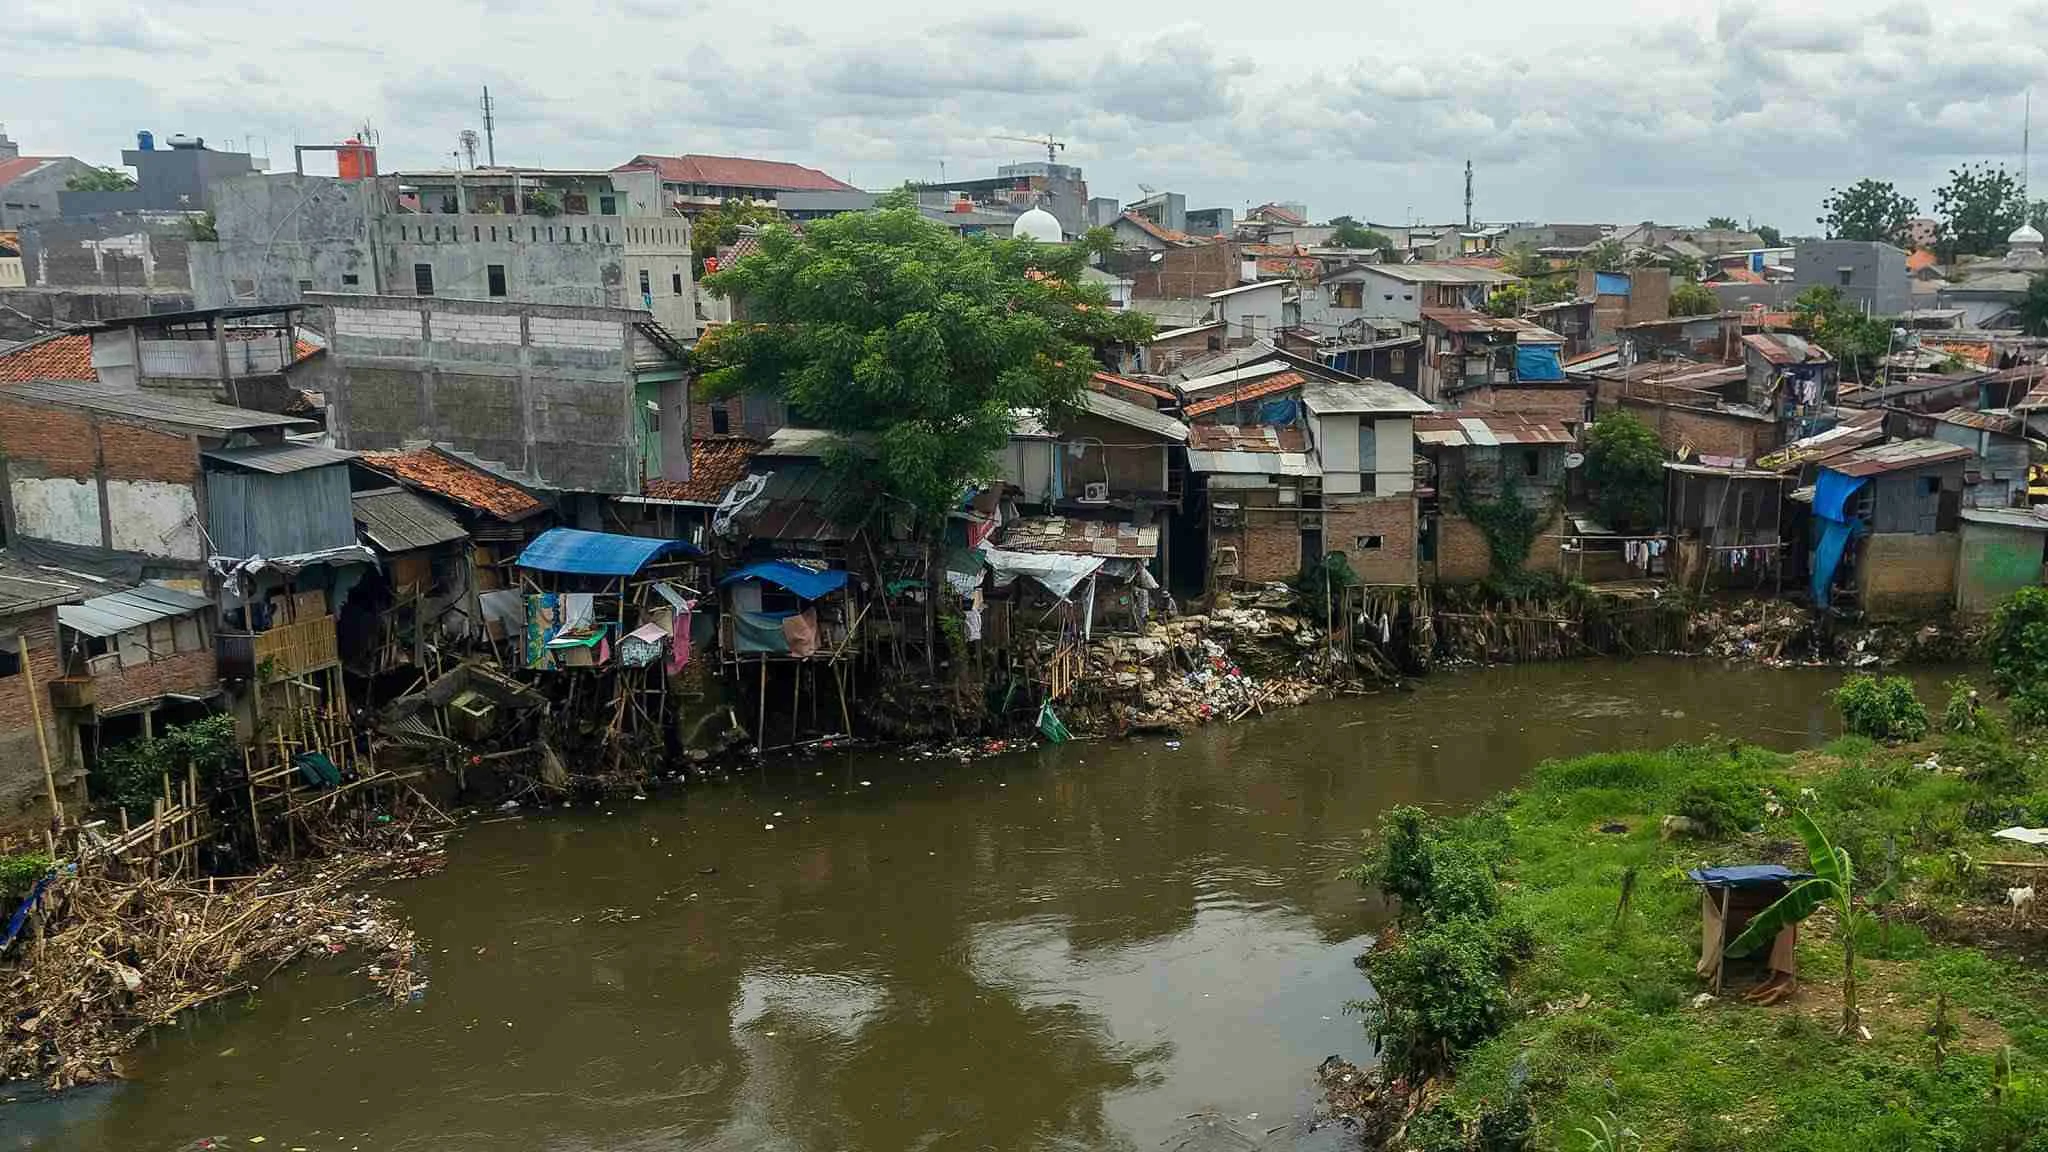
(22, 803)
(1462, 554)
(1269, 545)
(1181, 273)
(1159, 354)
(191, 673)
(1709, 433)
(145, 454)
(1905, 574)
(1562, 405)
(42, 441)
(1391, 518)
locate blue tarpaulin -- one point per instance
(1538, 362)
(1610, 284)
(597, 553)
(806, 583)
(1746, 875)
(759, 632)
(1827, 556)
(1831, 492)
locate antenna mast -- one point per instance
(1468, 195)
(490, 138)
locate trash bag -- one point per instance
(1049, 724)
(317, 770)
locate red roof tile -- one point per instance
(56, 358)
(19, 166)
(1276, 214)
(1153, 390)
(1247, 438)
(433, 470)
(1256, 389)
(716, 464)
(739, 172)
(1165, 235)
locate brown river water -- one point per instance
(1100, 945)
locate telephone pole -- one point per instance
(490, 139)
(1468, 195)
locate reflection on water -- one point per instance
(1069, 948)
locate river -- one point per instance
(1090, 946)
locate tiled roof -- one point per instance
(1247, 438)
(1265, 386)
(1164, 235)
(15, 169)
(67, 357)
(1082, 537)
(1305, 267)
(716, 464)
(739, 172)
(1270, 250)
(1276, 214)
(1738, 276)
(1102, 379)
(432, 470)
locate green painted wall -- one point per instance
(1996, 561)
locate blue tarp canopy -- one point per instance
(1831, 492)
(807, 583)
(1538, 362)
(1610, 284)
(583, 553)
(1746, 876)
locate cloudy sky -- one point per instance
(1623, 112)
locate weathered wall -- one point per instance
(1993, 562)
(77, 479)
(184, 673)
(1562, 405)
(1350, 526)
(1128, 459)
(22, 803)
(26, 313)
(279, 232)
(141, 252)
(1163, 356)
(1908, 574)
(1708, 433)
(34, 196)
(1875, 271)
(1181, 273)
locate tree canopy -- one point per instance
(1625, 471)
(1855, 340)
(1979, 206)
(721, 225)
(1693, 299)
(2033, 307)
(100, 180)
(1351, 234)
(1771, 237)
(912, 342)
(1725, 223)
(1606, 256)
(1868, 210)
(1507, 300)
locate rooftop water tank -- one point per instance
(145, 141)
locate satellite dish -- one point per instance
(1574, 459)
(1156, 257)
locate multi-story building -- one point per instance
(29, 185)
(692, 183)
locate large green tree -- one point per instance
(913, 342)
(1350, 233)
(1724, 223)
(1855, 340)
(1979, 206)
(1868, 210)
(100, 180)
(1625, 471)
(2033, 307)
(1771, 237)
(1605, 256)
(1693, 299)
(721, 225)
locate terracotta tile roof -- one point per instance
(1288, 267)
(716, 464)
(739, 172)
(1276, 214)
(1247, 438)
(1921, 259)
(432, 470)
(1082, 537)
(1165, 235)
(15, 169)
(1265, 386)
(1104, 378)
(1738, 276)
(1270, 250)
(67, 357)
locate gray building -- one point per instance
(177, 178)
(1169, 210)
(582, 399)
(29, 185)
(1211, 222)
(1868, 273)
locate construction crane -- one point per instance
(1052, 147)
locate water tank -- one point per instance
(145, 141)
(355, 160)
(180, 141)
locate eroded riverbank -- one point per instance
(1065, 948)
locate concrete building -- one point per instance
(1169, 210)
(580, 399)
(1630, 296)
(177, 178)
(587, 239)
(1018, 188)
(1210, 222)
(1398, 292)
(1251, 311)
(29, 185)
(2001, 551)
(1870, 274)
(692, 183)
(1102, 211)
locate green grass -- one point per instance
(1603, 1010)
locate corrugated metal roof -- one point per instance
(397, 520)
(1232, 376)
(1785, 348)
(1248, 438)
(1082, 537)
(1439, 273)
(114, 614)
(1253, 463)
(798, 442)
(1995, 421)
(25, 587)
(1281, 284)
(1131, 415)
(1173, 333)
(574, 551)
(1269, 386)
(278, 459)
(1375, 397)
(1897, 456)
(1461, 429)
(189, 414)
(2008, 518)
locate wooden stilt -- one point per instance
(761, 720)
(796, 703)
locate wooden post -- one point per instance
(35, 713)
(796, 703)
(761, 714)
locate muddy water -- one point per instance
(1095, 946)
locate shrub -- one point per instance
(2030, 707)
(1436, 1129)
(1883, 709)
(1965, 715)
(130, 775)
(1720, 807)
(1441, 991)
(1397, 862)
(2018, 642)
(19, 872)
(1460, 884)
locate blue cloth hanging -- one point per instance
(20, 916)
(1827, 556)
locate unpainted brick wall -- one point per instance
(42, 441)
(133, 453)
(22, 802)
(1709, 434)
(1462, 553)
(1905, 574)
(188, 673)
(1391, 518)
(1270, 544)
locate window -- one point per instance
(476, 232)
(305, 285)
(495, 273)
(423, 279)
(350, 279)
(607, 235)
(1371, 543)
(1368, 447)
(1397, 361)
(551, 233)
(675, 283)
(533, 235)
(646, 286)
(494, 233)
(1351, 295)
(608, 205)
(1845, 276)
(10, 657)
(721, 423)
(1930, 485)
(1532, 462)
(586, 233)
(1390, 295)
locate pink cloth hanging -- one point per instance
(679, 644)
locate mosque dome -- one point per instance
(1043, 226)
(2025, 234)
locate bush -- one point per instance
(19, 873)
(2018, 642)
(1436, 877)
(1883, 709)
(1720, 807)
(2030, 707)
(1625, 470)
(1441, 991)
(1436, 1129)
(130, 775)
(1965, 715)
(1397, 862)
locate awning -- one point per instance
(807, 583)
(117, 613)
(581, 553)
(1537, 362)
(1059, 572)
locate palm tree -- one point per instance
(1833, 883)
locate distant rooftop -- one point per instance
(739, 172)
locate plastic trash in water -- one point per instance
(1173, 745)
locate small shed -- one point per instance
(800, 616)
(1729, 898)
(584, 591)
(2003, 550)
(1727, 523)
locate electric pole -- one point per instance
(1468, 195)
(490, 139)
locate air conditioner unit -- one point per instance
(1095, 494)
(1225, 561)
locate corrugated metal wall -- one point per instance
(258, 514)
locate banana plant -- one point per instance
(1833, 884)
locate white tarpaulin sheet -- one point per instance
(2024, 835)
(1059, 572)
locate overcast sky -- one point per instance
(1617, 113)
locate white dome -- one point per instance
(1037, 224)
(2025, 234)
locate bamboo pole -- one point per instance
(35, 713)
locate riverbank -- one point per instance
(1579, 1010)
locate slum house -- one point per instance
(1468, 458)
(1465, 352)
(796, 617)
(1885, 522)
(1394, 359)
(1726, 523)
(2001, 551)
(1790, 377)
(1255, 311)
(423, 594)
(1623, 297)
(41, 773)
(1256, 489)
(1571, 319)
(1362, 433)
(133, 661)
(589, 402)
(1114, 461)
(1996, 476)
(682, 509)
(499, 515)
(1690, 407)
(1376, 296)
(1052, 582)
(255, 357)
(1712, 339)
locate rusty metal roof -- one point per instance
(1897, 456)
(1461, 429)
(1082, 537)
(1998, 421)
(1247, 438)
(397, 520)
(1786, 348)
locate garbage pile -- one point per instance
(1777, 634)
(105, 959)
(1222, 666)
